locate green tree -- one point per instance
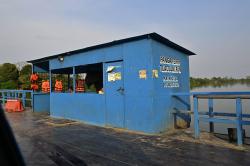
(8, 76)
(26, 70)
(24, 77)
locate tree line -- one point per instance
(217, 81)
(13, 78)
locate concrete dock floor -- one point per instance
(47, 141)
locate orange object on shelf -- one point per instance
(34, 86)
(45, 86)
(33, 77)
(80, 85)
(58, 86)
(14, 106)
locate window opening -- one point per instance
(89, 78)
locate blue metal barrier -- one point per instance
(212, 117)
(24, 95)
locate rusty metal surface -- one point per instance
(47, 141)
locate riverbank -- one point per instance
(217, 82)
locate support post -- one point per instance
(8, 95)
(24, 98)
(50, 82)
(196, 118)
(210, 111)
(31, 99)
(3, 96)
(68, 81)
(239, 121)
(74, 79)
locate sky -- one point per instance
(218, 31)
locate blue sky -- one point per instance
(218, 31)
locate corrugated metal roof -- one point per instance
(153, 36)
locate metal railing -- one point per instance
(24, 95)
(212, 117)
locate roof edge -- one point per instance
(153, 36)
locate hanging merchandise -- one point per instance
(33, 80)
(33, 77)
(45, 86)
(80, 85)
(34, 86)
(58, 86)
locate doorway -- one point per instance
(114, 91)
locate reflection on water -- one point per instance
(224, 105)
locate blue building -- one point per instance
(137, 76)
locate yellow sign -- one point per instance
(114, 76)
(155, 74)
(142, 74)
(118, 76)
(111, 77)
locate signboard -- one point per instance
(171, 68)
(114, 76)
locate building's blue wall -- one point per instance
(139, 113)
(96, 56)
(137, 95)
(85, 107)
(163, 102)
(41, 102)
(38, 69)
(147, 103)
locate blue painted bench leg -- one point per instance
(196, 118)
(239, 119)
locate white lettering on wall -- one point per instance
(171, 67)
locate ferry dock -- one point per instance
(44, 140)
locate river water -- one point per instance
(224, 105)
